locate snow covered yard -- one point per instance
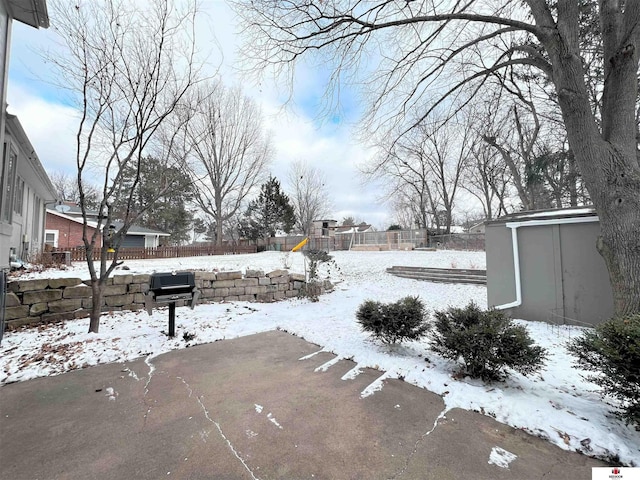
(556, 404)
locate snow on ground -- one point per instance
(556, 404)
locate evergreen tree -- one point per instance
(270, 212)
(167, 213)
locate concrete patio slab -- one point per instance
(250, 408)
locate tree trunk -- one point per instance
(97, 290)
(612, 177)
(619, 243)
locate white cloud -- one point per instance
(49, 126)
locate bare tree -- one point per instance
(429, 163)
(487, 178)
(427, 44)
(309, 195)
(129, 69)
(230, 151)
(67, 188)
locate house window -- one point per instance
(8, 183)
(51, 238)
(17, 204)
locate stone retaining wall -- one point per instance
(30, 302)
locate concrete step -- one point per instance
(439, 270)
(441, 275)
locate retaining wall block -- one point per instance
(41, 296)
(277, 273)
(12, 313)
(236, 291)
(11, 300)
(138, 298)
(232, 298)
(78, 291)
(291, 293)
(66, 305)
(141, 278)
(122, 279)
(246, 298)
(134, 288)
(208, 292)
(118, 300)
(264, 281)
(209, 276)
(223, 283)
(297, 277)
(253, 274)
(64, 282)
(112, 290)
(220, 292)
(38, 309)
(228, 275)
(278, 296)
(265, 297)
(27, 285)
(280, 280)
(246, 282)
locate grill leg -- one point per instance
(172, 319)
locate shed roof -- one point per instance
(551, 214)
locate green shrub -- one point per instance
(612, 350)
(394, 322)
(487, 341)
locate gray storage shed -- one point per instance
(543, 265)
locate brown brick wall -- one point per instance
(69, 232)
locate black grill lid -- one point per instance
(162, 281)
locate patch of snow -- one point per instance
(374, 386)
(273, 420)
(500, 457)
(353, 373)
(258, 408)
(325, 366)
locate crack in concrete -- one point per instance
(218, 427)
(415, 446)
(152, 368)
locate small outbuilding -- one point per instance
(544, 265)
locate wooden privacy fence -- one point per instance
(139, 253)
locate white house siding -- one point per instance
(26, 190)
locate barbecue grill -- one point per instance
(169, 288)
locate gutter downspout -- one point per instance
(516, 256)
(516, 270)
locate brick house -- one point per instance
(64, 230)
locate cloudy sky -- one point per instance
(300, 131)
